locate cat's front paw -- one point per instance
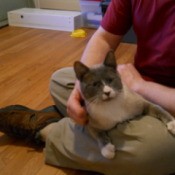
(171, 126)
(108, 151)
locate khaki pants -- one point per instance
(143, 145)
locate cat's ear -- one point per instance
(110, 60)
(80, 70)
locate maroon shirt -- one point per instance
(154, 24)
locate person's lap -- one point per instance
(143, 145)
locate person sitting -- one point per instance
(144, 146)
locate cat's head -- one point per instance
(99, 83)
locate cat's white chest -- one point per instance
(105, 115)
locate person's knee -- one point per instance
(59, 78)
(61, 85)
(63, 76)
(58, 74)
(54, 81)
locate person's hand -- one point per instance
(75, 109)
(130, 76)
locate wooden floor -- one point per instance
(28, 57)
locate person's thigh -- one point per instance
(143, 147)
(61, 85)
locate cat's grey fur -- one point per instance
(109, 102)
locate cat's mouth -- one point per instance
(107, 97)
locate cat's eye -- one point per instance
(109, 80)
(96, 83)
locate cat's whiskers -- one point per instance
(93, 100)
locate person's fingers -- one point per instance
(74, 108)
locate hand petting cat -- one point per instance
(147, 88)
(74, 107)
(130, 76)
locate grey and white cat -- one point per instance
(109, 102)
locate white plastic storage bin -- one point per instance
(45, 19)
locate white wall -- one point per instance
(8, 5)
(58, 4)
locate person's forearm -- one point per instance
(98, 46)
(154, 92)
(159, 94)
